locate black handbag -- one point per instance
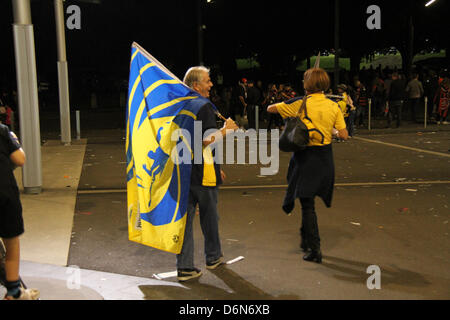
(295, 135)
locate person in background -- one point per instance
(253, 98)
(395, 99)
(11, 220)
(242, 101)
(3, 114)
(271, 98)
(288, 92)
(347, 108)
(6, 111)
(442, 100)
(415, 91)
(378, 95)
(361, 102)
(280, 91)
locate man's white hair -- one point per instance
(194, 74)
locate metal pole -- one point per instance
(27, 95)
(370, 113)
(426, 113)
(78, 124)
(63, 77)
(336, 44)
(410, 47)
(200, 32)
(256, 118)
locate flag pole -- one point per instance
(162, 67)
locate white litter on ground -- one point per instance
(235, 260)
(165, 275)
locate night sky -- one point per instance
(276, 32)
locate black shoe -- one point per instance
(188, 274)
(315, 256)
(213, 265)
(304, 246)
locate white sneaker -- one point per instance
(444, 122)
(26, 294)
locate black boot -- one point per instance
(310, 232)
(304, 245)
(315, 256)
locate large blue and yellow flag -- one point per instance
(157, 185)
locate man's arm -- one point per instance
(18, 156)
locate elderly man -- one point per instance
(205, 179)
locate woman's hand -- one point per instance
(223, 175)
(272, 108)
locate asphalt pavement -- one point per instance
(390, 210)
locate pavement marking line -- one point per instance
(274, 186)
(404, 147)
(100, 191)
(347, 184)
(361, 184)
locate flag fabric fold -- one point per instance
(157, 183)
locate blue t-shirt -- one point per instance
(204, 174)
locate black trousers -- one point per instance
(395, 112)
(414, 104)
(276, 119)
(310, 229)
(251, 116)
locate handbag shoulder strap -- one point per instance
(303, 107)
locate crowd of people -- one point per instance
(240, 102)
(395, 95)
(392, 94)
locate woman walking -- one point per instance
(311, 171)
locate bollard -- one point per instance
(256, 118)
(426, 113)
(77, 113)
(370, 111)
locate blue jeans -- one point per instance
(350, 122)
(206, 198)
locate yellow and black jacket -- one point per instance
(311, 171)
(322, 115)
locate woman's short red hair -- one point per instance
(316, 80)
